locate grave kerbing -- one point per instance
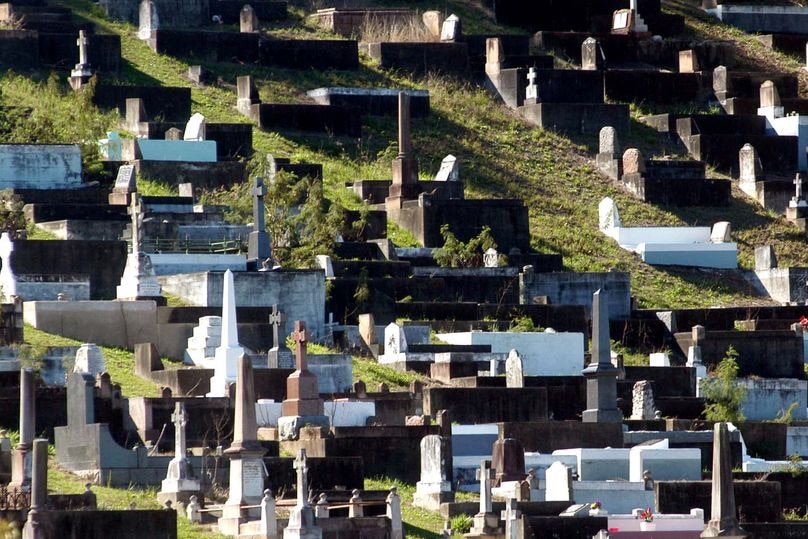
(601, 375)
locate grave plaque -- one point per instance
(450, 31)
(449, 170)
(621, 21)
(252, 477)
(125, 180)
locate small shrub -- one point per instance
(786, 416)
(456, 254)
(722, 392)
(461, 523)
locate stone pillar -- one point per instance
(21, 458)
(39, 489)
(405, 168)
(269, 518)
(494, 56)
(229, 350)
(601, 374)
(394, 514)
(723, 519)
(355, 508)
(248, 20)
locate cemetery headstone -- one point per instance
(770, 104)
(138, 281)
(508, 460)
(367, 332)
(125, 185)
(229, 350)
(301, 519)
(405, 166)
(559, 483)
(135, 113)
(491, 258)
(247, 94)
(180, 483)
(532, 90)
(395, 341)
(601, 375)
(642, 400)
(248, 20)
(514, 373)
(89, 360)
(724, 518)
(512, 517)
(148, 19)
(608, 216)
(592, 57)
(622, 21)
(449, 170)
(173, 133)
(435, 486)
(39, 489)
(21, 458)
(765, 258)
(394, 514)
(258, 246)
(451, 28)
(633, 162)
(280, 357)
(195, 128)
(433, 21)
(486, 522)
(81, 73)
(688, 61)
(750, 167)
(798, 200)
(8, 281)
(494, 56)
(324, 263)
(186, 189)
(721, 232)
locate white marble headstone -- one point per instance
(89, 360)
(195, 128)
(394, 340)
(449, 170)
(608, 214)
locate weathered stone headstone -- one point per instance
(449, 170)
(559, 483)
(301, 519)
(258, 245)
(721, 232)
(135, 113)
(125, 185)
(609, 160)
(229, 350)
(724, 518)
(508, 460)
(186, 189)
(89, 360)
(769, 96)
(247, 474)
(433, 21)
(750, 169)
(765, 258)
(395, 342)
(688, 61)
(180, 483)
(324, 263)
(247, 95)
(798, 200)
(195, 128)
(494, 56)
(622, 21)
(173, 133)
(601, 375)
(592, 57)
(394, 514)
(8, 281)
(633, 162)
(435, 486)
(248, 20)
(451, 29)
(514, 371)
(148, 19)
(303, 405)
(279, 355)
(642, 400)
(608, 216)
(491, 258)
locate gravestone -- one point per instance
(248, 20)
(125, 185)
(89, 360)
(435, 486)
(508, 460)
(765, 258)
(324, 262)
(642, 400)
(608, 216)
(195, 128)
(433, 21)
(81, 73)
(592, 57)
(721, 232)
(39, 490)
(770, 104)
(622, 21)
(724, 518)
(559, 483)
(301, 519)
(608, 160)
(186, 190)
(302, 405)
(280, 357)
(148, 21)
(494, 56)
(229, 350)
(405, 166)
(174, 133)
(532, 90)
(258, 245)
(798, 200)
(514, 371)
(491, 258)
(449, 170)
(486, 522)
(180, 483)
(750, 168)
(367, 332)
(8, 281)
(513, 519)
(247, 95)
(451, 28)
(395, 341)
(138, 281)
(394, 514)
(601, 374)
(247, 472)
(21, 457)
(633, 162)
(688, 61)
(607, 141)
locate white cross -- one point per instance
(180, 419)
(82, 42)
(302, 481)
(798, 184)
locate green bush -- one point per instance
(461, 523)
(456, 254)
(722, 392)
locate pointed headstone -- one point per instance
(229, 351)
(723, 516)
(514, 370)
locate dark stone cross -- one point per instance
(301, 337)
(258, 193)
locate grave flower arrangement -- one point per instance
(804, 322)
(595, 505)
(646, 515)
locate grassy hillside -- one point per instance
(499, 154)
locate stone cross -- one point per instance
(82, 42)
(301, 337)
(302, 481)
(180, 419)
(258, 192)
(798, 185)
(137, 223)
(485, 474)
(511, 516)
(277, 320)
(532, 91)
(404, 139)
(8, 281)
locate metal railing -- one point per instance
(187, 245)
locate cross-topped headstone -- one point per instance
(798, 196)
(302, 479)
(301, 337)
(532, 91)
(277, 320)
(511, 516)
(258, 192)
(180, 419)
(485, 475)
(82, 42)
(137, 221)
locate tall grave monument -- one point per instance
(405, 166)
(138, 281)
(723, 517)
(21, 457)
(180, 483)
(229, 350)
(279, 356)
(601, 375)
(246, 465)
(258, 246)
(301, 518)
(302, 405)
(81, 72)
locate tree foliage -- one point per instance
(724, 395)
(456, 254)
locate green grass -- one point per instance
(120, 363)
(373, 374)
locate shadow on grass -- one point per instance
(413, 532)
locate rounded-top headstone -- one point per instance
(633, 161)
